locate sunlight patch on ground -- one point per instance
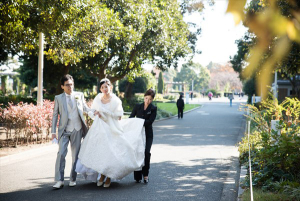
(192, 155)
(181, 135)
(166, 127)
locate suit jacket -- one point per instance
(149, 115)
(60, 108)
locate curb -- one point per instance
(243, 173)
(242, 177)
(232, 182)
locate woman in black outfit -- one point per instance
(146, 111)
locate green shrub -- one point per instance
(162, 114)
(15, 99)
(169, 97)
(128, 104)
(274, 158)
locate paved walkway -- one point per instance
(194, 158)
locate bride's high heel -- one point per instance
(107, 185)
(100, 183)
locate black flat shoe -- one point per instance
(138, 181)
(146, 181)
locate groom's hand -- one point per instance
(53, 135)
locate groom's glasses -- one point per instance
(68, 85)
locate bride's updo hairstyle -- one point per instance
(104, 80)
(150, 92)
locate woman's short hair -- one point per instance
(66, 78)
(150, 92)
(104, 80)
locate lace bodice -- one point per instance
(106, 105)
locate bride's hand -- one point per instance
(97, 113)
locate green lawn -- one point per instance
(171, 107)
(265, 196)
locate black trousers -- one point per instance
(180, 112)
(145, 171)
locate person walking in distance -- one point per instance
(210, 95)
(180, 107)
(230, 97)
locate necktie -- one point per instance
(70, 102)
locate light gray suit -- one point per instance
(64, 137)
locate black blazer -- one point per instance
(180, 103)
(149, 115)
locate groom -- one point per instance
(70, 106)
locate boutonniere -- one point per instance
(149, 112)
(77, 97)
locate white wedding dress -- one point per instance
(112, 147)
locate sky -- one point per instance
(218, 33)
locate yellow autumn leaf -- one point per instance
(256, 54)
(281, 48)
(236, 8)
(279, 23)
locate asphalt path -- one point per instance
(194, 158)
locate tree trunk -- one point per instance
(98, 84)
(128, 91)
(3, 83)
(59, 90)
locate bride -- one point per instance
(112, 147)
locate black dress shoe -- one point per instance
(146, 181)
(138, 181)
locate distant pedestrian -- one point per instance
(180, 107)
(192, 95)
(210, 95)
(230, 97)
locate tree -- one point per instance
(273, 25)
(146, 34)
(105, 38)
(289, 68)
(3, 83)
(160, 85)
(193, 71)
(73, 29)
(249, 88)
(52, 74)
(239, 59)
(139, 85)
(225, 77)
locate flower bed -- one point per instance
(25, 123)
